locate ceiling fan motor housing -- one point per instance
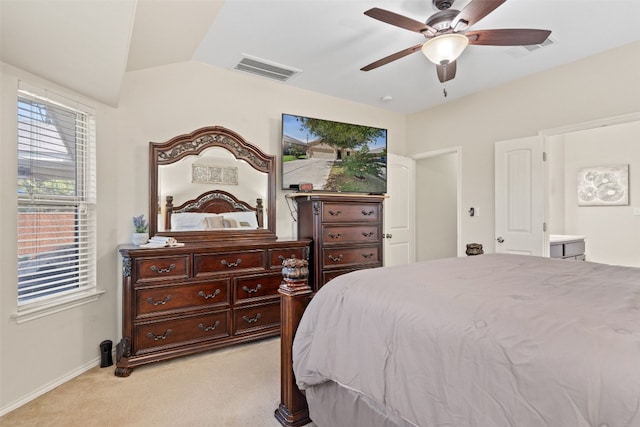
(442, 4)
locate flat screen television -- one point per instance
(333, 156)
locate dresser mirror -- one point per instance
(211, 185)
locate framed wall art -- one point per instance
(603, 185)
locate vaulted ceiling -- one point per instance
(89, 45)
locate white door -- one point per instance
(399, 211)
(519, 196)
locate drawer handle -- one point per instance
(335, 236)
(367, 256)
(282, 258)
(335, 213)
(256, 289)
(253, 319)
(369, 234)
(159, 337)
(209, 328)
(368, 213)
(163, 270)
(335, 259)
(231, 264)
(161, 302)
(207, 296)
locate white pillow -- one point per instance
(246, 217)
(189, 220)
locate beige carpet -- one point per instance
(237, 386)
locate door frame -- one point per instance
(446, 151)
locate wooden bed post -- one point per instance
(294, 296)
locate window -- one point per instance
(56, 199)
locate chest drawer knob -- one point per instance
(367, 256)
(162, 270)
(336, 259)
(334, 213)
(369, 234)
(208, 296)
(210, 327)
(159, 337)
(256, 289)
(335, 236)
(252, 319)
(368, 213)
(231, 264)
(161, 302)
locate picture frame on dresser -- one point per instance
(221, 287)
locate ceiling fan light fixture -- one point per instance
(444, 49)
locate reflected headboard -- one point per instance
(213, 202)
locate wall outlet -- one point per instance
(636, 211)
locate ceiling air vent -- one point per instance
(266, 69)
(520, 51)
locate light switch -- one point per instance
(636, 211)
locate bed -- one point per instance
(213, 210)
(489, 340)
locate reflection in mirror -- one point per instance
(213, 169)
(211, 185)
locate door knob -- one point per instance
(388, 236)
(500, 239)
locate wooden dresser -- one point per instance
(346, 233)
(184, 300)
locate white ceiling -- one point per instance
(88, 45)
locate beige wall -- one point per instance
(156, 105)
(601, 86)
(612, 232)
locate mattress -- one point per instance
(489, 340)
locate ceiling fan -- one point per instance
(447, 33)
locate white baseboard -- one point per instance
(53, 384)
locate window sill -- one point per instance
(57, 306)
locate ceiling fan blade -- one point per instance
(392, 57)
(475, 11)
(446, 72)
(507, 37)
(399, 20)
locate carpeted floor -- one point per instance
(233, 387)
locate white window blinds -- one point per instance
(56, 197)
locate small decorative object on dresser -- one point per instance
(141, 235)
(346, 230)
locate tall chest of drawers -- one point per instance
(346, 233)
(184, 300)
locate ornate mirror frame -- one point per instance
(193, 144)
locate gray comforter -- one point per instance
(482, 341)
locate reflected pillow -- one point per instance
(229, 222)
(213, 222)
(244, 219)
(189, 220)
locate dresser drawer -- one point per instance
(164, 299)
(336, 235)
(276, 256)
(250, 319)
(227, 262)
(344, 257)
(252, 288)
(349, 212)
(161, 268)
(180, 331)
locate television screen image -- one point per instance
(333, 156)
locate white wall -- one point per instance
(39, 354)
(613, 232)
(160, 103)
(436, 207)
(601, 86)
(156, 105)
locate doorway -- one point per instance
(437, 204)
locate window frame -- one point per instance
(82, 205)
